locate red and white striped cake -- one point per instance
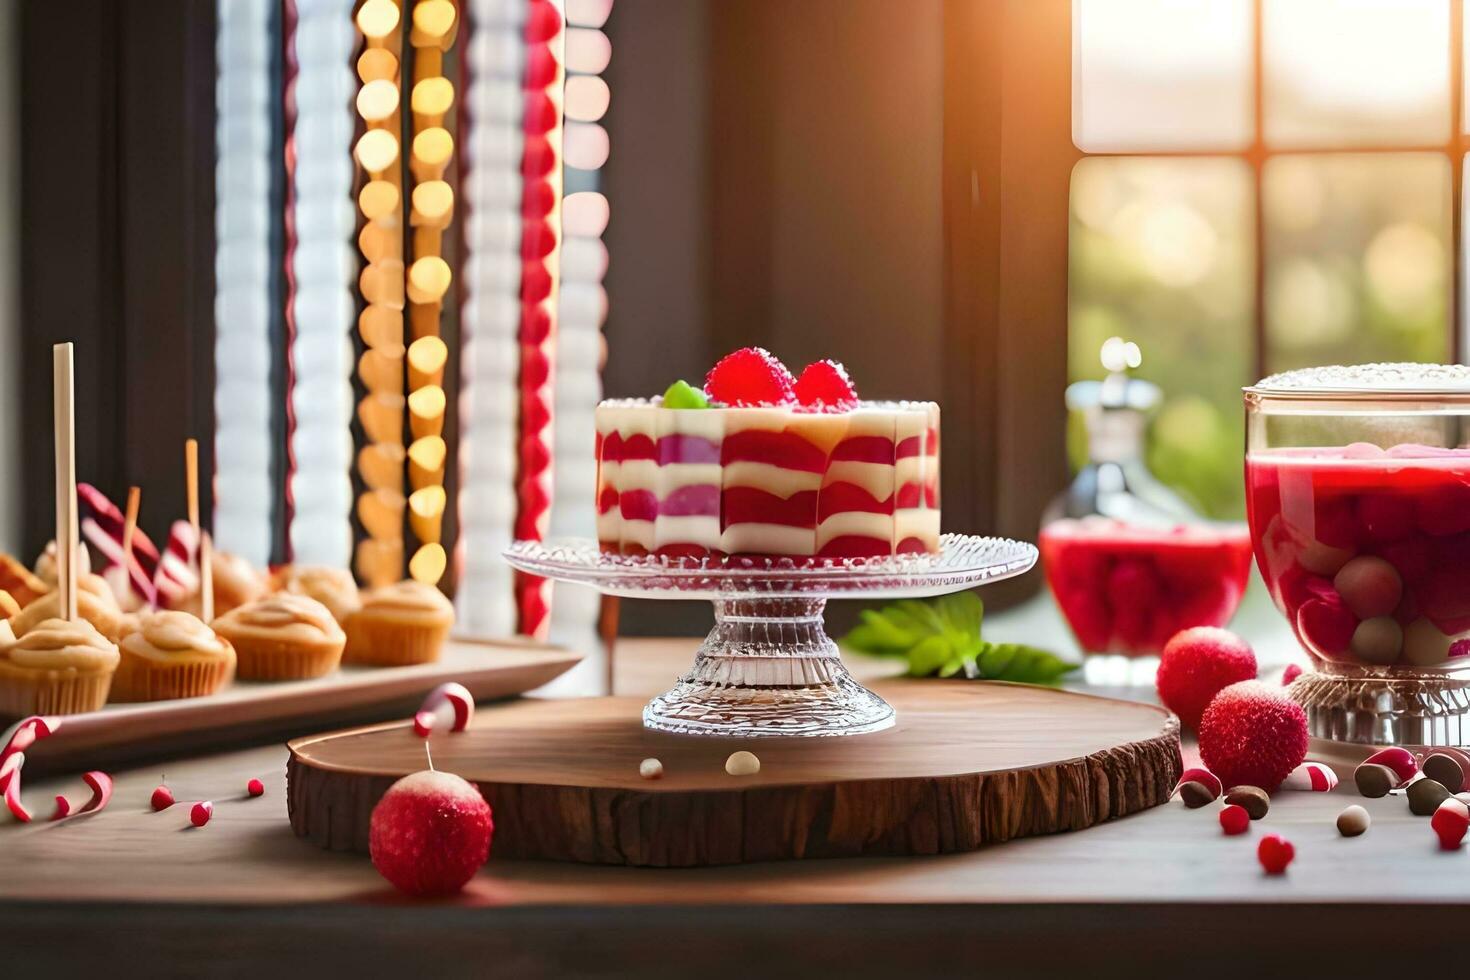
(768, 481)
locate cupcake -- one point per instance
(332, 587)
(282, 637)
(95, 604)
(236, 582)
(55, 668)
(171, 655)
(45, 567)
(397, 625)
(20, 582)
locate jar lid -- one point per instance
(1393, 380)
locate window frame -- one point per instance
(1258, 154)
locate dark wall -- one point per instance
(117, 245)
(775, 180)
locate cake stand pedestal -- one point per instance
(768, 667)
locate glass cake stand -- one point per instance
(768, 667)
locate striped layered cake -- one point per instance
(768, 480)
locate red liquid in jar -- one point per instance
(1367, 551)
(1127, 589)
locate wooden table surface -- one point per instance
(129, 881)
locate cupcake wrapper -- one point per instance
(258, 659)
(139, 679)
(381, 643)
(51, 692)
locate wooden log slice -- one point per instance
(967, 764)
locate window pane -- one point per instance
(1356, 72)
(1161, 74)
(1162, 253)
(1357, 259)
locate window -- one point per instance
(1263, 185)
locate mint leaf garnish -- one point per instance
(681, 394)
(942, 639)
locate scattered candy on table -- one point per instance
(200, 813)
(1234, 820)
(1450, 822)
(1374, 780)
(1275, 853)
(1400, 760)
(1196, 795)
(1353, 821)
(1204, 777)
(1313, 777)
(162, 798)
(1252, 799)
(1425, 795)
(255, 788)
(651, 769)
(742, 763)
(1446, 770)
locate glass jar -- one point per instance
(1127, 560)
(1358, 498)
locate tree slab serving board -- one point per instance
(248, 710)
(967, 764)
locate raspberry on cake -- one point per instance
(769, 467)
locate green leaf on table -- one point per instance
(942, 638)
(1021, 663)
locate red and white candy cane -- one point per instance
(19, 737)
(449, 707)
(101, 785)
(23, 734)
(540, 270)
(1313, 777)
(103, 526)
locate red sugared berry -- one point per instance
(200, 813)
(1292, 672)
(1450, 823)
(430, 833)
(825, 386)
(1275, 853)
(1198, 664)
(751, 376)
(1234, 820)
(162, 798)
(255, 788)
(1253, 734)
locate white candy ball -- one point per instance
(1425, 645)
(651, 769)
(1370, 586)
(742, 763)
(1378, 640)
(1322, 559)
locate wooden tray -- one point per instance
(967, 764)
(247, 710)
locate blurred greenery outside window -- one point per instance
(1230, 235)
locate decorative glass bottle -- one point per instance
(1129, 562)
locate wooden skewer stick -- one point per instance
(206, 576)
(191, 477)
(130, 526)
(64, 415)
